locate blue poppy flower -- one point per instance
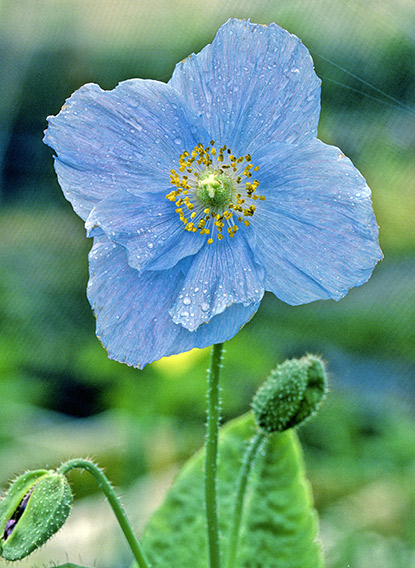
(203, 193)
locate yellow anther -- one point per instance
(206, 163)
(210, 241)
(262, 197)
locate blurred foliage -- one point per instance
(61, 397)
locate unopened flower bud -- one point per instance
(291, 394)
(35, 507)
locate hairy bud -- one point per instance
(291, 394)
(35, 508)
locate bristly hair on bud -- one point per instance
(35, 508)
(291, 394)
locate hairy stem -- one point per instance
(114, 502)
(212, 432)
(241, 485)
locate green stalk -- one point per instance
(212, 432)
(241, 484)
(114, 502)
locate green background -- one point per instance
(60, 396)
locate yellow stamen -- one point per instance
(214, 170)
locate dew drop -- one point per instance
(177, 140)
(204, 307)
(187, 301)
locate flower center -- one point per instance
(213, 191)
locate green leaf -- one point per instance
(279, 524)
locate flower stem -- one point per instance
(114, 502)
(241, 484)
(212, 432)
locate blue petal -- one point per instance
(147, 226)
(254, 84)
(315, 233)
(221, 328)
(132, 310)
(127, 138)
(222, 274)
